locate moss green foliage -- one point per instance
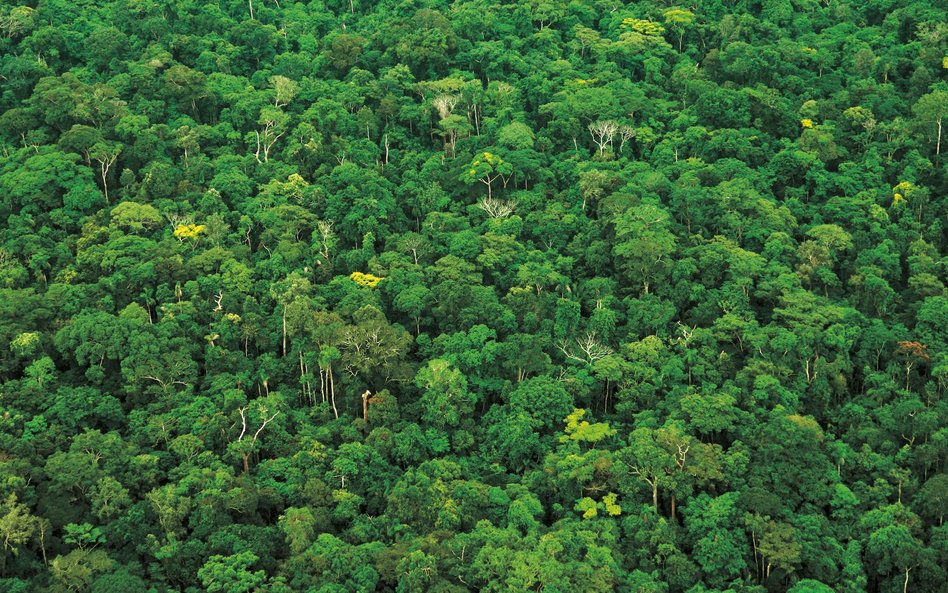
(390, 296)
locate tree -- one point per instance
(17, 527)
(109, 498)
(231, 574)
(487, 168)
(372, 349)
(648, 461)
(893, 548)
(273, 124)
(931, 110)
(678, 19)
(643, 243)
(818, 254)
(78, 569)
(544, 400)
(779, 548)
(297, 524)
(136, 217)
(933, 497)
(187, 85)
(106, 156)
(602, 133)
(718, 549)
(284, 90)
(446, 399)
(251, 430)
(49, 181)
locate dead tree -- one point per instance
(248, 449)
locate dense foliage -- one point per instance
(427, 296)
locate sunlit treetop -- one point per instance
(901, 192)
(367, 280)
(578, 429)
(643, 26)
(189, 231)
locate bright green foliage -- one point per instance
(446, 399)
(643, 26)
(83, 536)
(231, 574)
(590, 508)
(16, 525)
(26, 344)
(583, 431)
(644, 243)
(810, 586)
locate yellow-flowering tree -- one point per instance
(644, 27)
(487, 167)
(189, 231)
(367, 280)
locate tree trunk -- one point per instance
(756, 558)
(937, 152)
(322, 384)
(302, 374)
(105, 183)
(42, 538)
(246, 458)
(655, 494)
(332, 391)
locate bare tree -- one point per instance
(246, 451)
(445, 104)
(602, 133)
(273, 121)
(326, 238)
(626, 133)
(105, 155)
(588, 349)
(497, 208)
